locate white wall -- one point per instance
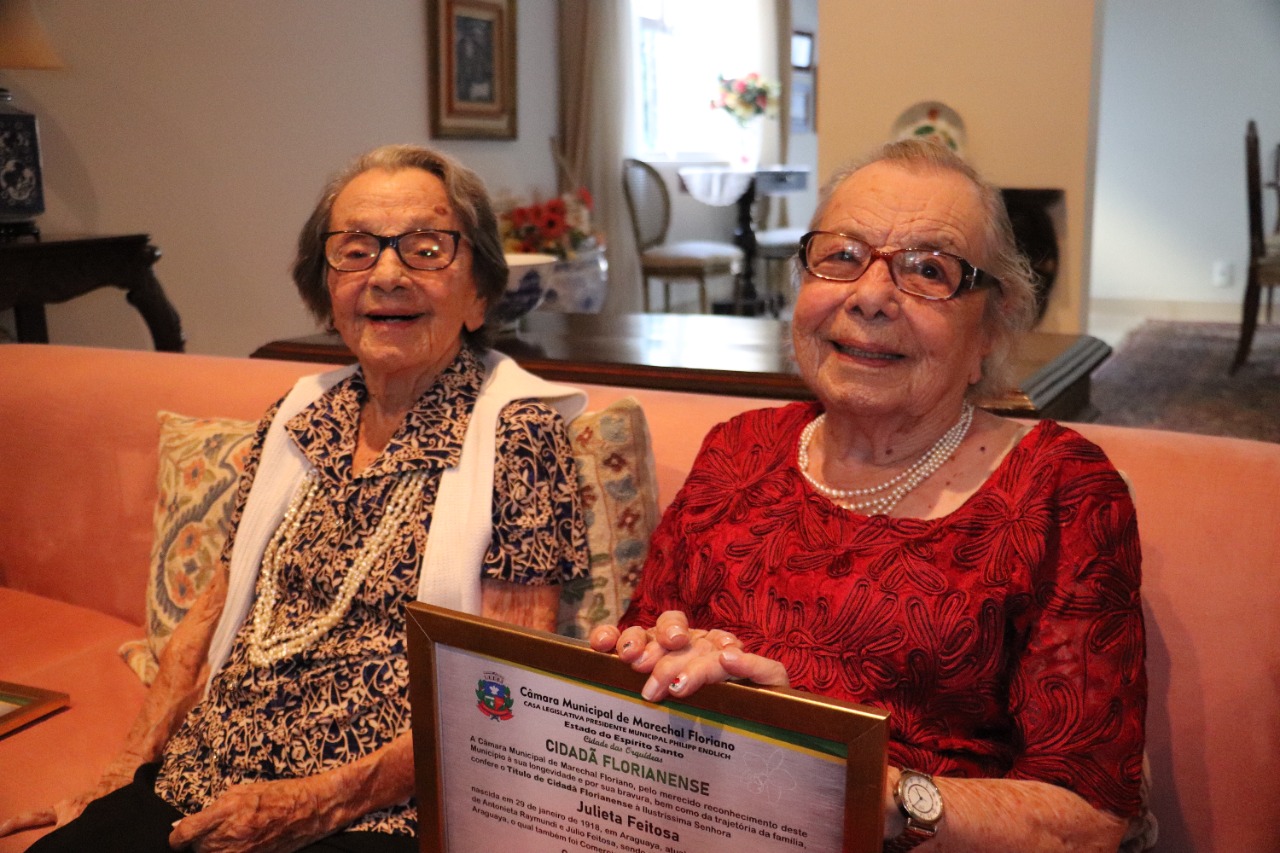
(1179, 83)
(211, 126)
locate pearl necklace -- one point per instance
(266, 648)
(874, 498)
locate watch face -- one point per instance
(920, 798)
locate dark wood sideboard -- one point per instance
(718, 354)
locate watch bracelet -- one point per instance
(910, 838)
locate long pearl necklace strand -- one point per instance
(266, 648)
(882, 498)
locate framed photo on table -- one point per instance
(20, 705)
(532, 741)
(472, 62)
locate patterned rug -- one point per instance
(1173, 376)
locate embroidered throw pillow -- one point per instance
(620, 500)
(201, 460)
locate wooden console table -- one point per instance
(718, 354)
(37, 273)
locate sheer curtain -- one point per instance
(596, 72)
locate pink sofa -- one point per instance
(78, 438)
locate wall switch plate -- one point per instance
(1224, 273)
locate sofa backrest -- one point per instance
(78, 461)
(1209, 522)
(78, 436)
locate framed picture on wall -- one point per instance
(801, 50)
(472, 62)
(804, 102)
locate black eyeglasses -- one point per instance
(354, 251)
(920, 272)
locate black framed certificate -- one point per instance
(528, 741)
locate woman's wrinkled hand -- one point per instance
(56, 815)
(27, 820)
(680, 659)
(264, 817)
(64, 811)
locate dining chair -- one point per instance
(1264, 269)
(649, 204)
(774, 246)
(1274, 184)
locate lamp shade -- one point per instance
(23, 43)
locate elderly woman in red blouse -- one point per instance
(892, 545)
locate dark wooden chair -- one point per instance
(1264, 269)
(1274, 184)
(649, 204)
(775, 246)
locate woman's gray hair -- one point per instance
(470, 202)
(1011, 308)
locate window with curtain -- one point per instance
(681, 50)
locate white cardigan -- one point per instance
(461, 526)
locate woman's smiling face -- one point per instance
(867, 348)
(398, 321)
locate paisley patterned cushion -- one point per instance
(201, 460)
(620, 500)
(200, 463)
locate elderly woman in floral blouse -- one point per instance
(280, 718)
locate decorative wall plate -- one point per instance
(931, 119)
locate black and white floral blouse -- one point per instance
(348, 695)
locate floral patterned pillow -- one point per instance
(620, 500)
(201, 460)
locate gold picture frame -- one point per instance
(446, 648)
(20, 705)
(471, 50)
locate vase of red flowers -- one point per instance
(561, 226)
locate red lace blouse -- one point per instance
(1005, 639)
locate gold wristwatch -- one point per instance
(920, 802)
